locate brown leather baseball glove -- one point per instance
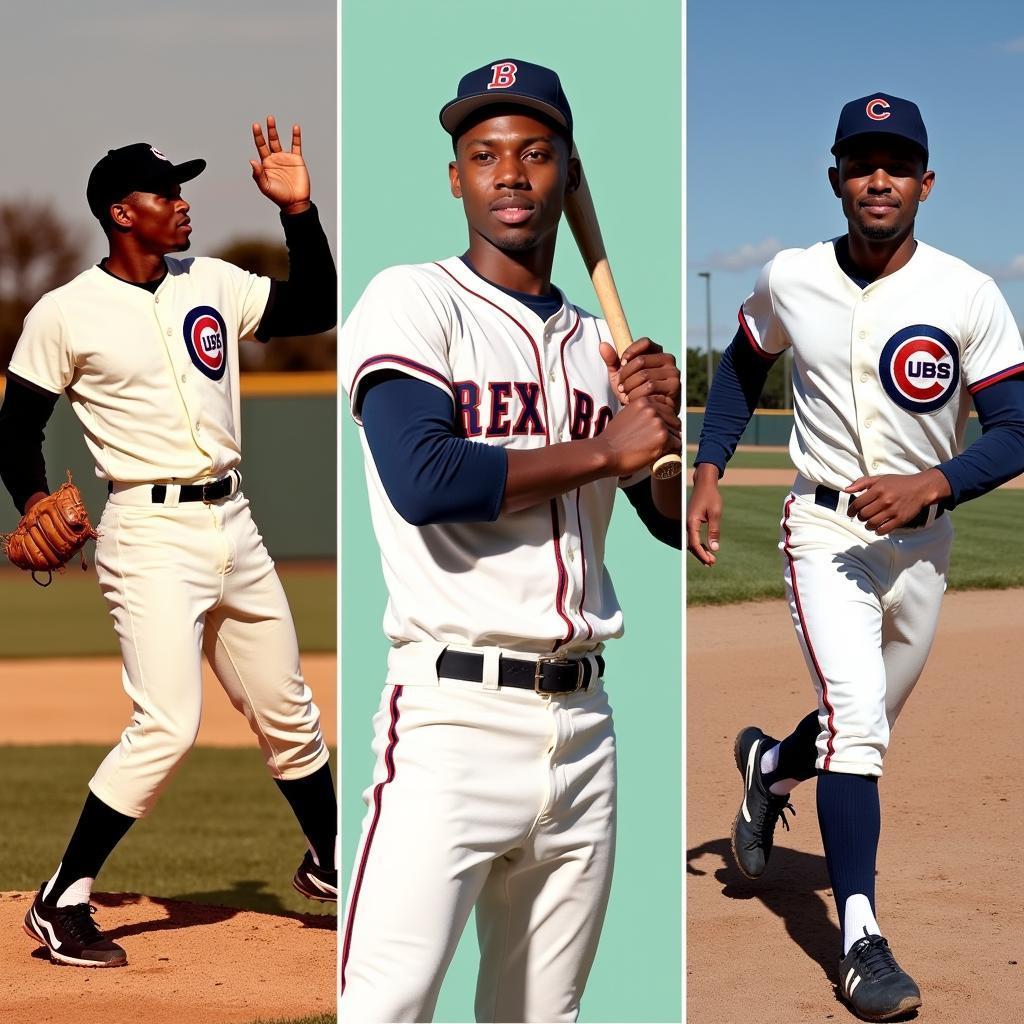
(50, 533)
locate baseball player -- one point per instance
(892, 340)
(497, 424)
(146, 348)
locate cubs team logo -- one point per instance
(206, 338)
(503, 75)
(877, 109)
(920, 368)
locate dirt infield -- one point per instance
(185, 963)
(80, 700)
(950, 889)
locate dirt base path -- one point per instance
(80, 700)
(950, 888)
(185, 963)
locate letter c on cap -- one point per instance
(877, 109)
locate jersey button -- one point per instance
(183, 378)
(863, 334)
(874, 465)
(863, 376)
(867, 423)
(169, 332)
(551, 376)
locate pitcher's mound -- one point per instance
(186, 962)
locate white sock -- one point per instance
(79, 891)
(770, 763)
(857, 916)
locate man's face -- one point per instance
(158, 220)
(512, 174)
(881, 184)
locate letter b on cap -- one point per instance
(504, 75)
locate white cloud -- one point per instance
(750, 256)
(1012, 270)
(1013, 45)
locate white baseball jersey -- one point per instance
(153, 378)
(533, 581)
(882, 375)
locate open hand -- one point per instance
(281, 177)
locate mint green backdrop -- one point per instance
(620, 64)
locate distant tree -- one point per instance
(773, 396)
(318, 352)
(38, 252)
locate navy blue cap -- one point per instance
(135, 168)
(881, 114)
(509, 81)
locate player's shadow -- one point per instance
(795, 888)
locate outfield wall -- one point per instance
(773, 426)
(289, 462)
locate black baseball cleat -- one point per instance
(314, 882)
(71, 935)
(753, 831)
(872, 984)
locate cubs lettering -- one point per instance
(206, 340)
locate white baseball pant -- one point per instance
(500, 799)
(865, 610)
(181, 580)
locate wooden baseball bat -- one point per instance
(582, 217)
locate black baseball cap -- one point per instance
(508, 82)
(881, 114)
(135, 168)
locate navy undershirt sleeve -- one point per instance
(735, 391)
(668, 531)
(998, 455)
(430, 473)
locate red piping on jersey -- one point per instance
(563, 579)
(770, 356)
(529, 338)
(563, 576)
(995, 378)
(378, 793)
(579, 524)
(807, 637)
(401, 361)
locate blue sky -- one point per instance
(765, 83)
(188, 76)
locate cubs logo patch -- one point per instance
(206, 338)
(877, 109)
(920, 368)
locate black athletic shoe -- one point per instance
(71, 936)
(753, 831)
(316, 883)
(873, 984)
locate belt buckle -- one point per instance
(207, 500)
(552, 659)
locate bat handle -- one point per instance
(667, 467)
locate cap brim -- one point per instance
(188, 170)
(844, 144)
(455, 113)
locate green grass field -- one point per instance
(30, 614)
(988, 552)
(221, 834)
(747, 458)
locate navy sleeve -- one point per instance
(25, 413)
(998, 455)
(735, 391)
(668, 531)
(430, 473)
(307, 303)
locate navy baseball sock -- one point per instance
(797, 753)
(850, 818)
(313, 803)
(100, 828)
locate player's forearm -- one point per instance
(307, 302)
(735, 391)
(666, 528)
(543, 473)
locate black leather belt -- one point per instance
(828, 498)
(548, 674)
(213, 491)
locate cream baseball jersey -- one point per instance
(533, 581)
(883, 376)
(153, 378)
